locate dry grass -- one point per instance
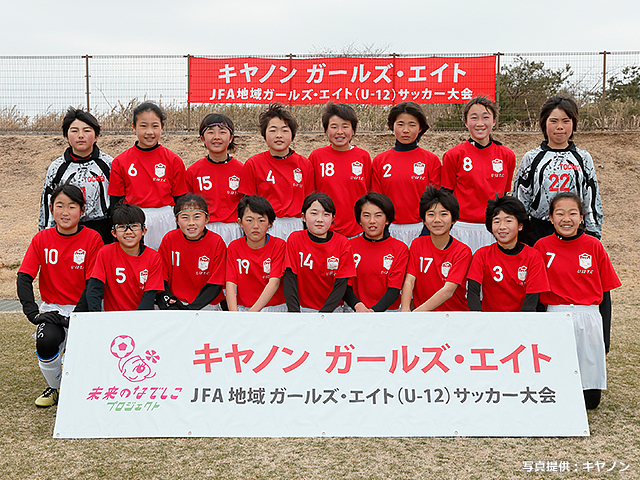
(618, 116)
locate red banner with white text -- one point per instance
(313, 81)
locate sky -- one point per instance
(276, 27)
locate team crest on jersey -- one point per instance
(497, 165)
(144, 274)
(522, 273)
(266, 266)
(78, 256)
(418, 168)
(387, 261)
(444, 269)
(297, 175)
(203, 263)
(332, 263)
(356, 168)
(160, 170)
(585, 260)
(234, 182)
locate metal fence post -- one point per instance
(86, 58)
(604, 86)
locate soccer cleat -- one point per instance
(49, 398)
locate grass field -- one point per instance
(30, 452)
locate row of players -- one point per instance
(153, 177)
(316, 269)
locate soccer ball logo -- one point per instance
(132, 367)
(122, 345)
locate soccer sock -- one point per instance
(51, 369)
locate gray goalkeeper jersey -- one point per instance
(91, 175)
(544, 172)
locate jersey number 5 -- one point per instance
(120, 275)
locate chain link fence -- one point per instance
(35, 92)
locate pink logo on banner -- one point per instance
(133, 367)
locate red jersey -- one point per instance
(317, 265)
(476, 175)
(190, 264)
(506, 279)
(218, 184)
(251, 268)
(148, 178)
(285, 182)
(125, 277)
(379, 265)
(345, 177)
(433, 267)
(579, 270)
(65, 263)
(403, 176)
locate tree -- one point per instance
(627, 87)
(524, 87)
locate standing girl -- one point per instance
(403, 172)
(557, 165)
(318, 262)
(216, 177)
(64, 255)
(341, 170)
(149, 175)
(581, 277)
(280, 175)
(380, 259)
(82, 165)
(193, 259)
(477, 170)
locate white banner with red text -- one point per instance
(211, 374)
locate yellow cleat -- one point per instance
(49, 398)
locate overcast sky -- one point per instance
(255, 27)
